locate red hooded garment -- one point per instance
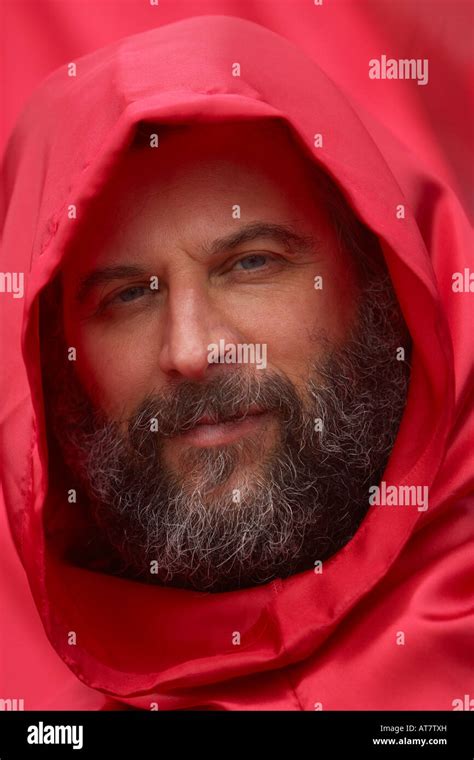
(311, 641)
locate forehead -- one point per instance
(202, 169)
(210, 155)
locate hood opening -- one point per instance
(133, 632)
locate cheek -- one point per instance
(114, 373)
(283, 327)
(289, 347)
(288, 318)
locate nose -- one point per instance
(193, 324)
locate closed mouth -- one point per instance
(210, 420)
(212, 430)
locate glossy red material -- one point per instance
(312, 641)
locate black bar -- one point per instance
(160, 734)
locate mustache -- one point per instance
(222, 398)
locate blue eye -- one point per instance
(131, 294)
(255, 258)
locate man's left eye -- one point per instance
(131, 294)
(255, 261)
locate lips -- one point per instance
(211, 431)
(214, 430)
(209, 420)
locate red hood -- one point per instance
(310, 638)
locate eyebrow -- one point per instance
(285, 234)
(103, 276)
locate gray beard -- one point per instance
(289, 506)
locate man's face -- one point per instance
(226, 474)
(161, 215)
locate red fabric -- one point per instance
(310, 639)
(436, 121)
